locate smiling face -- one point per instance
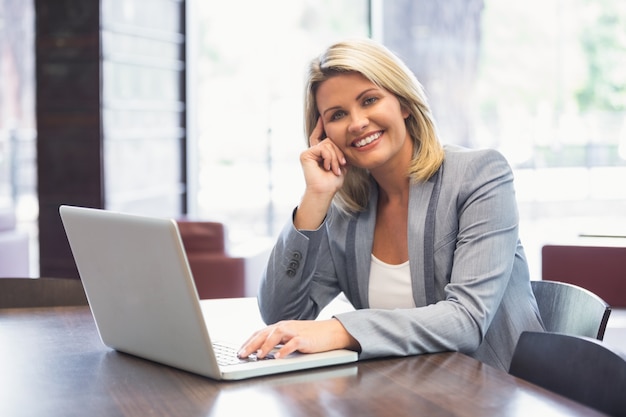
(365, 121)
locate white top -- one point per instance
(390, 285)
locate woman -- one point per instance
(421, 238)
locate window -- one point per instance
(18, 188)
(17, 105)
(551, 95)
(248, 65)
(545, 83)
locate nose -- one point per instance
(358, 122)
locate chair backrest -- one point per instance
(600, 269)
(580, 368)
(41, 292)
(568, 308)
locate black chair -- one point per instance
(41, 292)
(583, 369)
(568, 308)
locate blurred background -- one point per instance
(196, 106)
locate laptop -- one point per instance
(144, 301)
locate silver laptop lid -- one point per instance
(121, 258)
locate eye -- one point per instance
(369, 101)
(337, 115)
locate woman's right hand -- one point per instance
(324, 167)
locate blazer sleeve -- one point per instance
(300, 279)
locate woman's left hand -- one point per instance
(305, 336)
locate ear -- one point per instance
(404, 110)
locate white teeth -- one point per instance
(368, 140)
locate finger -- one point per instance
(261, 342)
(277, 336)
(332, 158)
(328, 156)
(287, 349)
(253, 343)
(318, 133)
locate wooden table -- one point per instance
(52, 363)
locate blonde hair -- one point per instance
(383, 68)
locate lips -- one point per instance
(366, 140)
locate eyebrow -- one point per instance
(361, 94)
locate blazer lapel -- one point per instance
(423, 200)
(359, 241)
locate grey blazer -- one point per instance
(469, 273)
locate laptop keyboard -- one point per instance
(227, 355)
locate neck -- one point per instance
(394, 192)
(393, 179)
